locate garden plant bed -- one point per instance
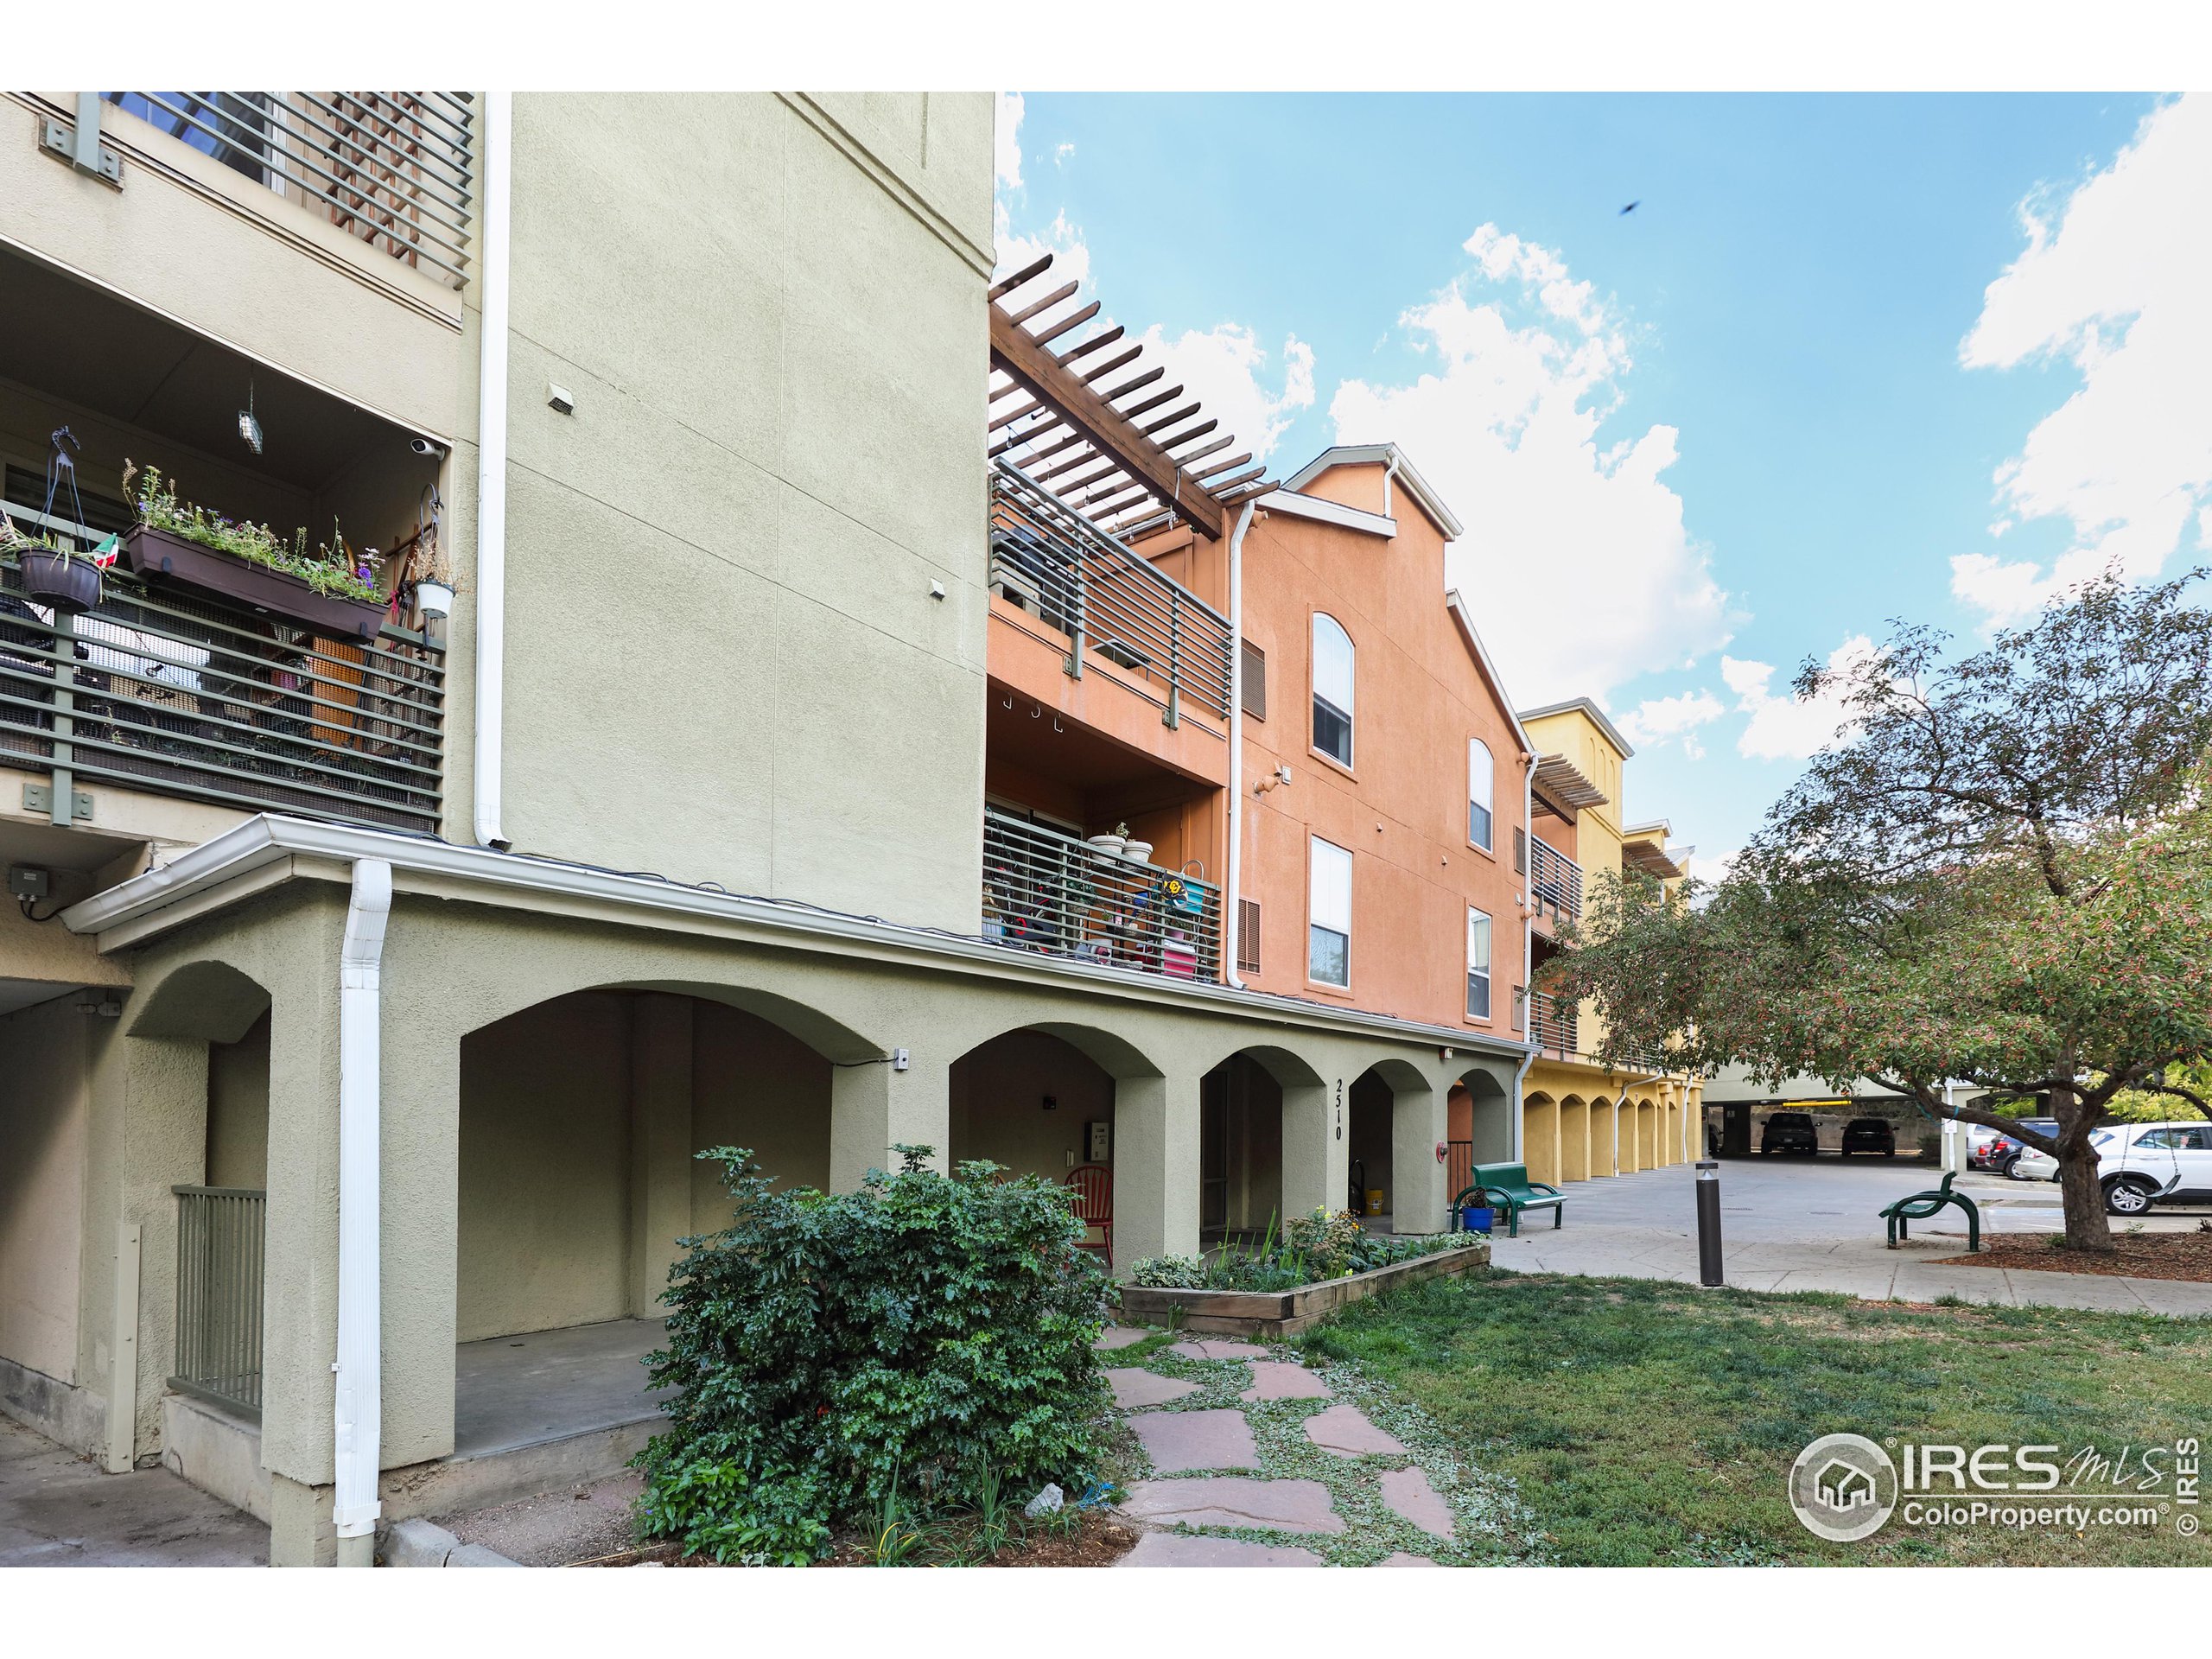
(1286, 1313)
(2134, 1255)
(160, 556)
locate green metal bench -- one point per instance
(1920, 1205)
(1507, 1187)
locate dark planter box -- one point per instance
(1286, 1313)
(160, 557)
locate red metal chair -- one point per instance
(1090, 1188)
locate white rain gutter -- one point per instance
(491, 471)
(1231, 883)
(360, 1396)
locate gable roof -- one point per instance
(1381, 455)
(1583, 705)
(1489, 670)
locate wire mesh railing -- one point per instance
(182, 694)
(1049, 559)
(1050, 892)
(1554, 882)
(221, 1238)
(393, 168)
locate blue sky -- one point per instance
(1747, 423)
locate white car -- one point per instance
(2139, 1165)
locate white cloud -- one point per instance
(2113, 281)
(1714, 868)
(1530, 365)
(1783, 726)
(1006, 140)
(1061, 153)
(1657, 721)
(1221, 368)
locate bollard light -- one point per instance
(1708, 1222)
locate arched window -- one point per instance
(1478, 790)
(1332, 678)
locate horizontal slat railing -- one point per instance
(1552, 1025)
(183, 694)
(1050, 892)
(1049, 558)
(1554, 880)
(221, 1233)
(393, 168)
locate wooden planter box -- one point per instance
(1285, 1313)
(162, 557)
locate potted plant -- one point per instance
(331, 589)
(1110, 847)
(56, 574)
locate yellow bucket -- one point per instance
(1374, 1200)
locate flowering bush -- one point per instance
(927, 1333)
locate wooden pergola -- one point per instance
(1560, 789)
(1088, 422)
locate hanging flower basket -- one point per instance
(162, 557)
(61, 582)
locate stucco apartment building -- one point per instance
(373, 976)
(1582, 1121)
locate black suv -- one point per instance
(1789, 1132)
(1870, 1135)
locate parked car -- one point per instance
(2142, 1164)
(1987, 1147)
(2034, 1164)
(2015, 1148)
(1789, 1132)
(1870, 1135)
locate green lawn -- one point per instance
(1647, 1423)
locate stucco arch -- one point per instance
(828, 1036)
(205, 999)
(1288, 1068)
(1113, 1053)
(1573, 1138)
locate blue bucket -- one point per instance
(1478, 1218)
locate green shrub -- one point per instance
(1313, 1247)
(1168, 1272)
(928, 1331)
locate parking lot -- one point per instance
(1811, 1223)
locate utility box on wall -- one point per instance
(1098, 1141)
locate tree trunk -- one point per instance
(2083, 1197)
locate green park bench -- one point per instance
(1920, 1205)
(1507, 1187)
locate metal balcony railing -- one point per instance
(1552, 1025)
(1050, 892)
(183, 694)
(1048, 558)
(396, 170)
(1554, 882)
(221, 1233)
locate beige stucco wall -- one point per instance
(238, 1109)
(723, 659)
(45, 1106)
(996, 1103)
(754, 1085)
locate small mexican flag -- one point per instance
(105, 555)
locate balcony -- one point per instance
(1050, 892)
(185, 695)
(1552, 1024)
(394, 170)
(1555, 882)
(1050, 561)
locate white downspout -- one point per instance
(1231, 883)
(360, 1358)
(491, 471)
(1527, 939)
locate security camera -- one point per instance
(428, 447)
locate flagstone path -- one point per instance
(1255, 1460)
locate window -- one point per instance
(1256, 681)
(1479, 783)
(1332, 689)
(232, 127)
(1477, 965)
(1328, 946)
(1520, 850)
(1248, 935)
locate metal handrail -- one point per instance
(221, 1250)
(184, 694)
(395, 167)
(1554, 880)
(1047, 557)
(1050, 892)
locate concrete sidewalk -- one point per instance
(1803, 1228)
(59, 1509)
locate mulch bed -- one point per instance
(2134, 1255)
(1101, 1542)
